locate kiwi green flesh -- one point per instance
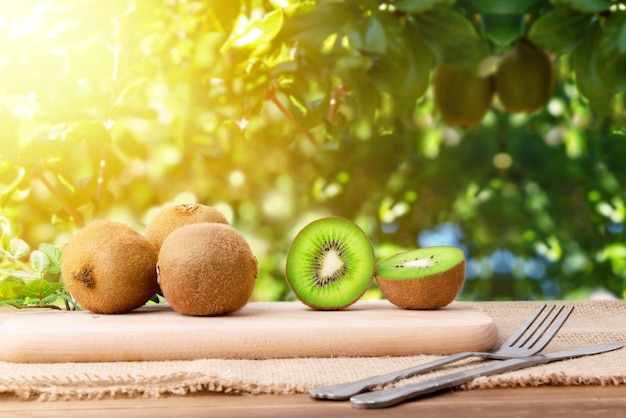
(330, 263)
(421, 262)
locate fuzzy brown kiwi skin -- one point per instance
(206, 269)
(109, 268)
(428, 292)
(524, 78)
(171, 217)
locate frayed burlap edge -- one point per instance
(552, 379)
(182, 384)
(185, 384)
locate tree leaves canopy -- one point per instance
(281, 111)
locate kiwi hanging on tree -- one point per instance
(524, 78)
(206, 269)
(425, 278)
(330, 264)
(108, 267)
(171, 217)
(461, 97)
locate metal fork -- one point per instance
(529, 339)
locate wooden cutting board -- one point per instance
(261, 330)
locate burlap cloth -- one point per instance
(592, 322)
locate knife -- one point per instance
(394, 396)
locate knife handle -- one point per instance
(346, 390)
(394, 396)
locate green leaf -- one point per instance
(18, 247)
(50, 299)
(418, 6)
(615, 29)
(255, 34)
(559, 30)
(503, 29)
(311, 26)
(367, 35)
(598, 66)
(54, 256)
(405, 70)
(452, 37)
(40, 289)
(39, 261)
(10, 290)
(19, 274)
(587, 6)
(501, 7)
(15, 280)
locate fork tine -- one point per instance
(536, 333)
(547, 334)
(539, 328)
(524, 328)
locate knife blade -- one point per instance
(389, 397)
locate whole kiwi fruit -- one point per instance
(173, 216)
(425, 278)
(206, 269)
(108, 267)
(524, 78)
(330, 263)
(462, 98)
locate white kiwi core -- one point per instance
(331, 264)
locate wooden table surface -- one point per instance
(535, 402)
(546, 401)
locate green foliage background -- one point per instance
(280, 112)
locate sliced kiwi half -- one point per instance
(424, 278)
(330, 263)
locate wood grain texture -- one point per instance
(260, 330)
(546, 401)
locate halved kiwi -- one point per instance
(425, 278)
(330, 263)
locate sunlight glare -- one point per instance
(25, 27)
